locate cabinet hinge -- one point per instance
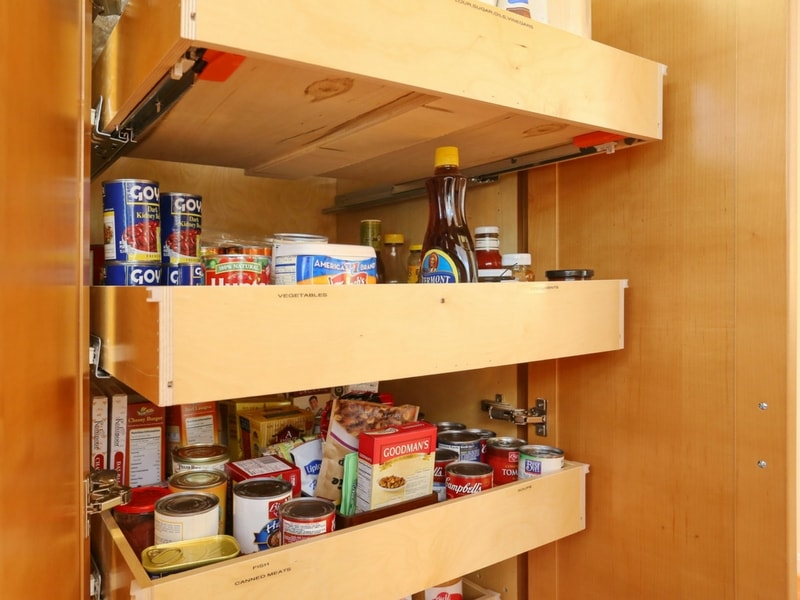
(104, 492)
(535, 415)
(95, 348)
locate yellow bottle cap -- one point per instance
(393, 238)
(445, 155)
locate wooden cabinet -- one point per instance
(362, 96)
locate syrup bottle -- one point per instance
(448, 255)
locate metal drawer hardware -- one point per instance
(95, 347)
(535, 415)
(104, 492)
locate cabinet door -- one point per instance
(43, 330)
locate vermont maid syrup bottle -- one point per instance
(448, 255)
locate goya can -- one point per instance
(181, 225)
(467, 444)
(188, 273)
(502, 454)
(186, 516)
(257, 512)
(234, 269)
(128, 273)
(465, 478)
(213, 482)
(539, 460)
(131, 220)
(303, 518)
(200, 457)
(444, 456)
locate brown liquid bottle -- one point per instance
(448, 255)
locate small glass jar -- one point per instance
(569, 274)
(487, 247)
(136, 519)
(414, 258)
(519, 265)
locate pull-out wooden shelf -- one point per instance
(179, 345)
(364, 91)
(388, 558)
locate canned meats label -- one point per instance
(131, 221)
(438, 267)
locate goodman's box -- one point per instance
(395, 464)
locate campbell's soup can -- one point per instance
(188, 273)
(181, 226)
(234, 269)
(128, 273)
(213, 482)
(257, 512)
(467, 444)
(131, 220)
(303, 518)
(484, 435)
(463, 478)
(444, 456)
(502, 454)
(539, 460)
(186, 516)
(200, 456)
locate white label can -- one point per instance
(257, 512)
(539, 460)
(186, 516)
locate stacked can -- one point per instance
(131, 232)
(181, 226)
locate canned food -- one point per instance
(538, 460)
(569, 274)
(465, 478)
(234, 269)
(213, 482)
(181, 224)
(257, 512)
(449, 426)
(467, 444)
(444, 456)
(188, 554)
(200, 456)
(186, 516)
(300, 238)
(132, 273)
(131, 220)
(323, 264)
(484, 435)
(188, 273)
(303, 518)
(502, 454)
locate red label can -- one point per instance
(235, 269)
(463, 478)
(502, 453)
(444, 456)
(303, 518)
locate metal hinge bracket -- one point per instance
(104, 492)
(95, 349)
(535, 415)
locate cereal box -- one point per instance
(395, 464)
(229, 411)
(146, 442)
(191, 424)
(98, 438)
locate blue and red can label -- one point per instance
(131, 221)
(184, 274)
(181, 225)
(128, 273)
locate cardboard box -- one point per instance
(395, 464)
(98, 435)
(265, 466)
(191, 424)
(229, 411)
(265, 427)
(145, 441)
(472, 591)
(118, 432)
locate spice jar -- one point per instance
(136, 519)
(487, 247)
(569, 274)
(519, 265)
(414, 258)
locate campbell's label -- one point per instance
(438, 267)
(463, 478)
(131, 221)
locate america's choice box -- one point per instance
(395, 464)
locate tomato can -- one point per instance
(234, 269)
(303, 518)
(257, 512)
(213, 482)
(539, 460)
(200, 456)
(502, 453)
(186, 516)
(463, 478)
(188, 273)
(444, 456)
(467, 444)
(132, 273)
(131, 220)
(181, 225)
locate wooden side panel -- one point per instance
(677, 505)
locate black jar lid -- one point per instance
(567, 274)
